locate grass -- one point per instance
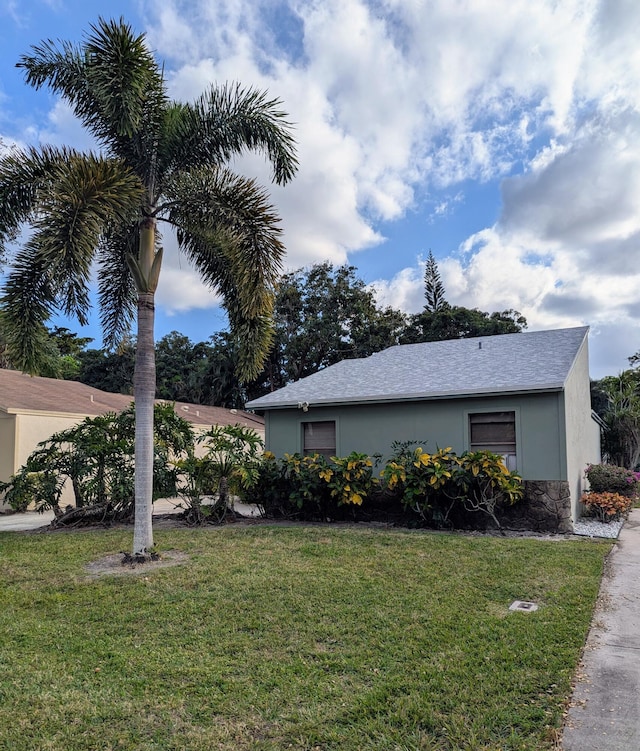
(310, 638)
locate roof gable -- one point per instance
(505, 363)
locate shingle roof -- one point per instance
(23, 393)
(506, 363)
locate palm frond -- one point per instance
(24, 176)
(112, 83)
(81, 197)
(229, 231)
(116, 289)
(227, 121)
(87, 195)
(27, 302)
(221, 204)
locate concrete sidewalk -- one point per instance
(33, 520)
(605, 708)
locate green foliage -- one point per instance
(96, 458)
(109, 371)
(271, 491)
(317, 487)
(617, 401)
(433, 485)
(605, 506)
(608, 478)
(433, 287)
(323, 315)
(429, 486)
(455, 322)
(351, 479)
(228, 463)
(33, 484)
(308, 478)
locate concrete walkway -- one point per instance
(33, 520)
(605, 709)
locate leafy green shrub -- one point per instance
(608, 478)
(351, 480)
(605, 506)
(433, 485)
(32, 485)
(429, 486)
(229, 466)
(97, 458)
(271, 490)
(308, 478)
(312, 486)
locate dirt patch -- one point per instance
(112, 564)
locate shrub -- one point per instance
(308, 478)
(429, 486)
(432, 485)
(312, 486)
(608, 478)
(97, 458)
(351, 480)
(485, 483)
(271, 490)
(605, 506)
(230, 465)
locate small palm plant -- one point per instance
(227, 464)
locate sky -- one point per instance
(502, 135)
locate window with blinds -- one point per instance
(319, 438)
(496, 432)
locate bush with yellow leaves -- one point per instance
(432, 485)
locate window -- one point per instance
(319, 438)
(496, 432)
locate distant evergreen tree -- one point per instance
(433, 286)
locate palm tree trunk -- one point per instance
(144, 388)
(144, 391)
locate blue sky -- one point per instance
(504, 135)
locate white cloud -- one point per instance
(398, 104)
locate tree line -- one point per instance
(322, 315)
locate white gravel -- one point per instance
(586, 527)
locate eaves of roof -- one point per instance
(414, 397)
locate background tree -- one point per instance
(180, 368)
(323, 315)
(616, 399)
(109, 370)
(433, 287)
(455, 322)
(160, 161)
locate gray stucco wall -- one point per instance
(372, 428)
(582, 431)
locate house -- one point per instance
(33, 408)
(525, 396)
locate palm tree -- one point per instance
(159, 161)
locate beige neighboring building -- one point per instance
(33, 408)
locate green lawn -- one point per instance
(291, 638)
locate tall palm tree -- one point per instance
(159, 161)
